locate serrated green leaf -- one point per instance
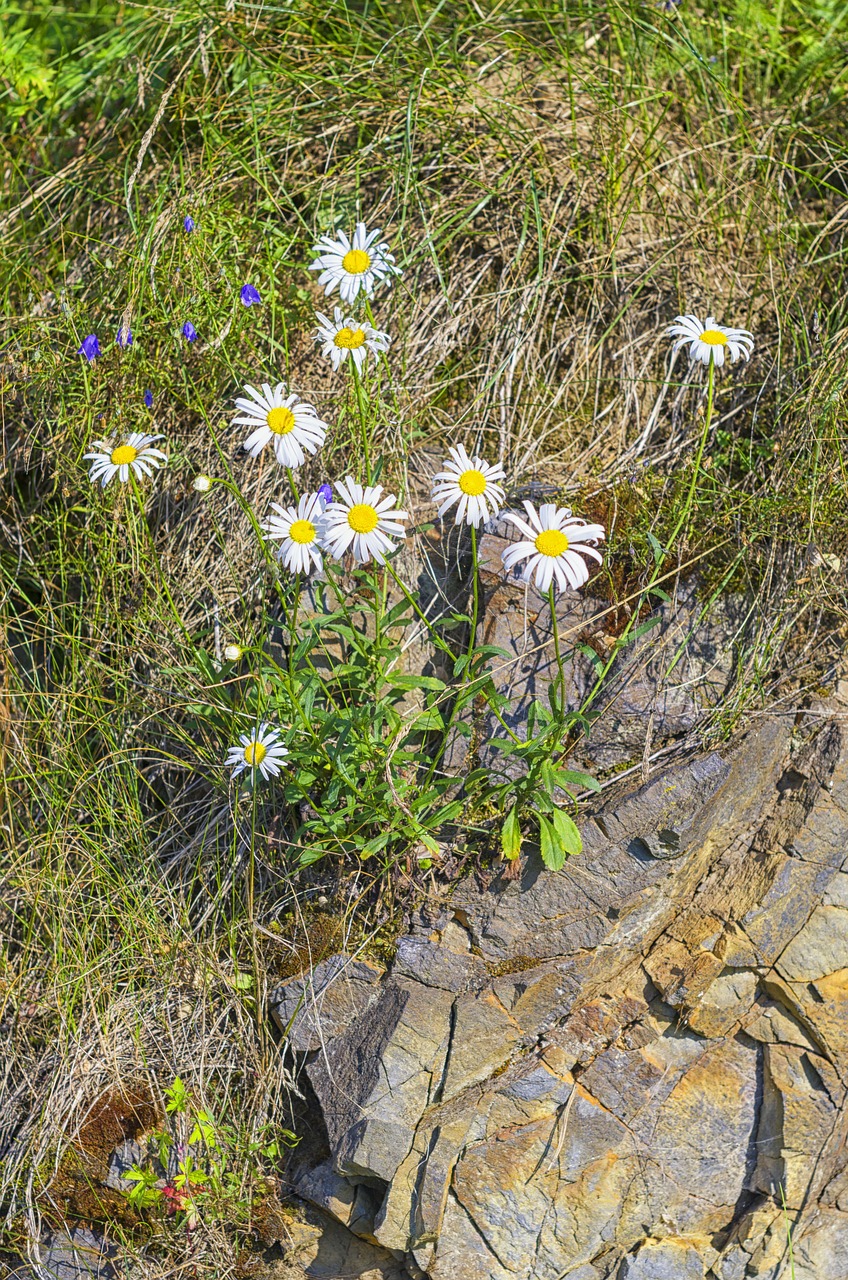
(511, 835)
(567, 833)
(553, 854)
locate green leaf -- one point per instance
(314, 853)
(426, 721)
(558, 839)
(575, 778)
(511, 835)
(492, 651)
(376, 845)
(429, 843)
(657, 548)
(567, 832)
(448, 812)
(204, 1130)
(177, 1096)
(642, 629)
(553, 854)
(415, 682)
(588, 652)
(548, 776)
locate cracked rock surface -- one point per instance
(608, 1072)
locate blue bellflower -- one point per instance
(148, 399)
(325, 491)
(90, 347)
(188, 223)
(124, 338)
(189, 331)
(249, 295)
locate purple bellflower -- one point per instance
(124, 338)
(249, 295)
(188, 223)
(189, 332)
(148, 399)
(89, 347)
(325, 491)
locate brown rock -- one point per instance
(674, 1258)
(797, 1117)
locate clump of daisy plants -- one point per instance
(352, 744)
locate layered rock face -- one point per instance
(616, 1071)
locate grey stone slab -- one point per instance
(320, 1004)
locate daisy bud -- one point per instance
(201, 484)
(233, 652)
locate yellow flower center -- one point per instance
(280, 421)
(713, 338)
(362, 518)
(302, 531)
(255, 753)
(551, 542)
(356, 261)
(123, 454)
(349, 339)
(472, 482)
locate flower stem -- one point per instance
(475, 603)
(292, 621)
(557, 651)
(681, 521)
(701, 445)
(357, 382)
(440, 644)
(294, 489)
(251, 920)
(472, 644)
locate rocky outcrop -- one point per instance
(612, 1072)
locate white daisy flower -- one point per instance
(351, 266)
(135, 452)
(284, 419)
(343, 336)
(299, 532)
(556, 542)
(362, 520)
(260, 749)
(710, 339)
(471, 483)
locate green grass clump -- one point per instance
(558, 182)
